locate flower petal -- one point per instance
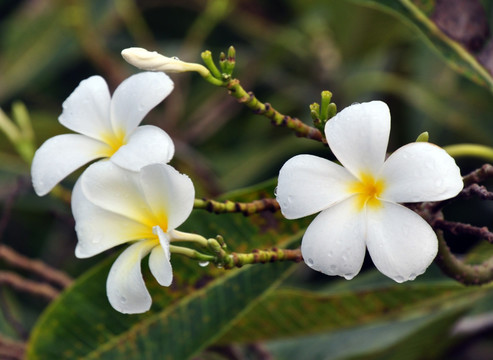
(308, 184)
(358, 136)
(117, 190)
(98, 229)
(159, 263)
(334, 243)
(400, 242)
(125, 285)
(169, 194)
(420, 172)
(135, 97)
(146, 145)
(87, 109)
(61, 155)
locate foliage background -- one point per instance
(287, 53)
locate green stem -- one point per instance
(262, 257)
(191, 253)
(277, 119)
(458, 270)
(221, 207)
(188, 237)
(463, 150)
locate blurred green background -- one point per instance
(287, 53)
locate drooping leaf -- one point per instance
(456, 43)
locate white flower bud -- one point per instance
(151, 60)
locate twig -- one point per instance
(30, 286)
(277, 119)
(221, 207)
(460, 271)
(262, 257)
(11, 349)
(36, 266)
(457, 228)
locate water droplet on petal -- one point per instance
(348, 276)
(399, 278)
(175, 58)
(412, 276)
(309, 262)
(203, 263)
(96, 239)
(123, 299)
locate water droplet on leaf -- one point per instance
(203, 263)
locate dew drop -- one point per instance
(203, 263)
(309, 262)
(175, 58)
(348, 276)
(412, 276)
(123, 299)
(399, 278)
(96, 239)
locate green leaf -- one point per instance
(419, 14)
(200, 306)
(291, 312)
(421, 337)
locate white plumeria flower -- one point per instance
(112, 206)
(107, 127)
(359, 200)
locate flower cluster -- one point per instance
(358, 201)
(131, 194)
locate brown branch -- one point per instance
(11, 349)
(485, 172)
(36, 266)
(457, 228)
(29, 286)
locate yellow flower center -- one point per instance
(368, 191)
(114, 141)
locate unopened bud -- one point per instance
(151, 60)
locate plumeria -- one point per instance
(113, 206)
(151, 60)
(358, 201)
(107, 127)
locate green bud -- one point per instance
(423, 137)
(324, 105)
(315, 111)
(207, 58)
